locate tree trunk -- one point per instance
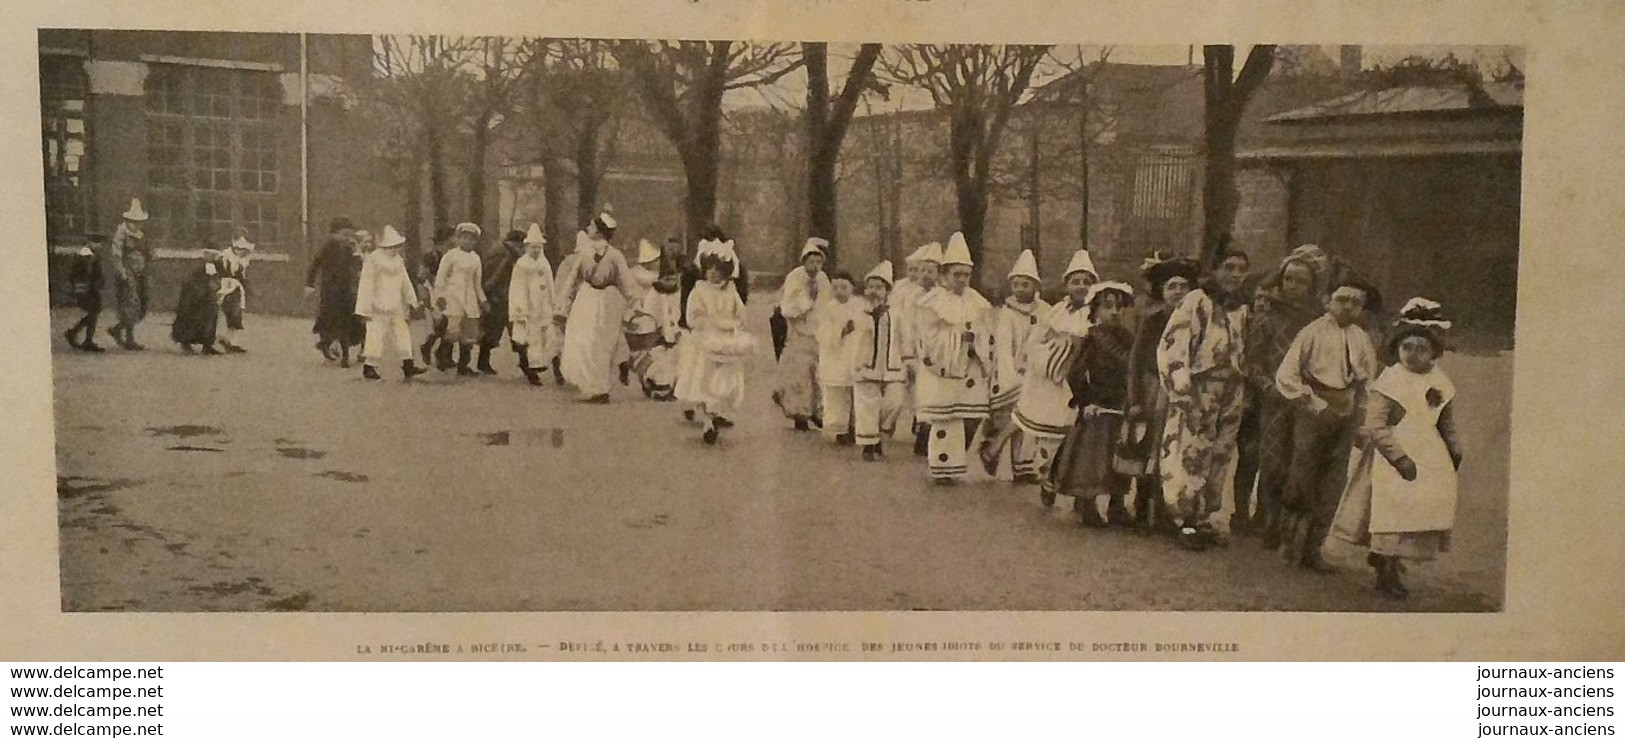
(412, 215)
(700, 203)
(895, 217)
(821, 205)
(1225, 100)
(587, 179)
(437, 179)
(972, 202)
(1035, 202)
(476, 172)
(1084, 145)
(1218, 191)
(553, 228)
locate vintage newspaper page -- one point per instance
(733, 330)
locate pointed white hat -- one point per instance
(1026, 266)
(915, 257)
(957, 252)
(1081, 262)
(242, 243)
(135, 212)
(647, 252)
(881, 271)
(815, 245)
(931, 252)
(534, 235)
(390, 238)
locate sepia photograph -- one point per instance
(439, 323)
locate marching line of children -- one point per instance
(1084, 406)
(1077, 402)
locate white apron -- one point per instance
(1429, 503)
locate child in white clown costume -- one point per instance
(530, 307)
(880, 375)
(928, 272)
(837, 355)
(385, 297)
(956, 352)
(652, 319)
(1013, 325)
(1044, 410)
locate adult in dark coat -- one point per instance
(197, 313)
(85, 284)
(334, 275)
(498, 272)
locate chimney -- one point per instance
(1349, 59)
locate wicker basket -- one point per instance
(642, 332)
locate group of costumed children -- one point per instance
(1082, 405)
(1079, 403)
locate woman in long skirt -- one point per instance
(1083, 466)
(1169, 279)
(593, 332)
(1401, 499)
(1199, 363)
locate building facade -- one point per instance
(218, 134)
(1419, 188)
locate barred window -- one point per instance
(212, 154)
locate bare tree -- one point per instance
(827, 120)
(572, 102)
(1225, 102)
(497, 67)
(977, 86)
(424, 83)
(682, 84)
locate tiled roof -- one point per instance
(1410, 100)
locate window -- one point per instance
(212, 148)
(64, 146)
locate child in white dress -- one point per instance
(717, 347)
(1401, 498)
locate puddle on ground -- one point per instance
(343, 476)
(294, 603)
(295, 452)
(224, 589)
(71, 487)
(654, 521)
(185, 431)
(210, 449)
(286, 442)
(525, 437)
